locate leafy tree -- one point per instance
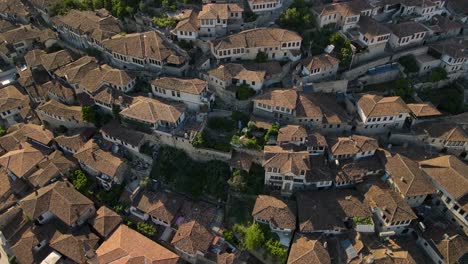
(276, 250)
(199, 141)
(88, 113)
(79, 180)
(438, 74)
(273, 131)
(254, 237)
(297, 16)
(237, 181)
(229, 236)
(403, 89)
(146, 229)
(164, 20)
(2, 131)
(251, 143)
(244, 91)
(410, 64)
(343, 49)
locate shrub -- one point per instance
(110, 197)
(235, 140)
(276, 250)
(273, 131)
(80, 181)
(358, 220)
(2, 131)
(410, 64)
(244, 92)
(146, 229)
(251, 143)
(88, 113)
(237, 181)
(199, 141)
(229, 236)
(438, 74)
(163, 20)
(254, 237)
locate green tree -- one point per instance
(244, 91)
(2, 131)
(88, 113)
(237, 181)
(409, 63)
(254, 237)
(79, 180)
(199, 141)
(163, 20)
(438, 74)
(229, 236)
(146, 229)
(276, 250)
(342, 48)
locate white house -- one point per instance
(215, 20)
(264, 6)
(226, 75)
(450, 177)
(452, 54)
(192, 92)
(13, 105)
(407, 34)
(56, 114)
(344, 15)
(408, 179)
(392, 212)
(379, 114)
(147, 50)
(130, 139)
(277, 214)
(316, 68)
(276, 43)
(352, 147)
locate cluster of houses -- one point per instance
(351, 177)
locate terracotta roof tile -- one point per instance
(276, 211)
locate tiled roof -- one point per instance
(161, 205)
(97, 24)
(291, 133)
(11, 97)
(353, 145)
(325, 210)
(378, 106)
(22, 161)
(93, 156)
(305, 250)
(116, 130)
(391, 204)
(229, 71)
(287, 161)
(450, 173)
(321, 61)
(188, 21)
(406, 29)
(59, 198)
(280, 97)
(408, 177)
(259, 37)
(455, 48)
(441, 129)
(55, 60)
(191, 86)
(219, 11)
(53, 107)
(453, 248)
(74, 142)
(152, 110)
(54, 165)
(276, 211)
(147, 45)
(128, 246)
(106, 221)
(192, 237)
(371, 28)
(424, 110)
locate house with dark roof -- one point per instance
(56, 114)
(449, 175)
(408, 179)
(407, 34)
(194, 93)
(451, 52)
(279, 215)
(122, 136)
(333, 212)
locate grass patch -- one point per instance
(358, 220)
